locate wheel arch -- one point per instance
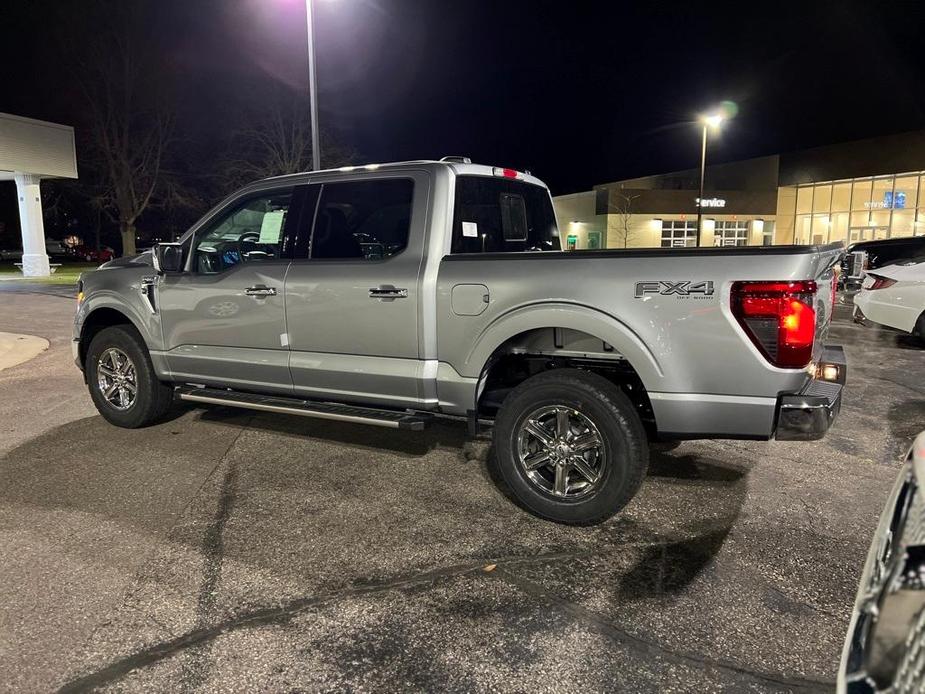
(597, 324)
(99, 318)
(543, 337)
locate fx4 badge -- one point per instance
(685, 289)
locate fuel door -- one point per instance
(470, 299)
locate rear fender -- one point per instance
(569, 316)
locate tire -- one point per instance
(593, 409)
(152, 399)
(919, 329)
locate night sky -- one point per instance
(578, 92)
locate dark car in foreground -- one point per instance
(864, 256)
(885, 647)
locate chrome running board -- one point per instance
(394, 419)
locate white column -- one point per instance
(34, 258)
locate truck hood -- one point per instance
(140, 259)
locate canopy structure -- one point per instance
(31, 150)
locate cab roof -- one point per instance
(460, 168)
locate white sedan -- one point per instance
(894, 295)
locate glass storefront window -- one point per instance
(802, 231)
(860, 196)
(838, 231)
(822, 199)
(860, 219)
(841, 197)
(820, 228)
(880, 218)
(804, 199)
(905, 194)
(882, 196)
(903, 223)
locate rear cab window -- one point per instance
(496, 215)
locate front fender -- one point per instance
(570, 316)
(147, 325)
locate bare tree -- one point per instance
(130, 124)
(623, 207)
(276, 140)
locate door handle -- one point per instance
(260, 290)
(388, 292)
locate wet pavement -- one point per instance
(224, 550)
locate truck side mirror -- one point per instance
(168, 258)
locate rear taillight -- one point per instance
(779, 318)
(881, 282)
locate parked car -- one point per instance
(393, 294)
(894, 296)
(10, 254)
(885, 647)
(92, 255)
(864, 256)
(55, 247)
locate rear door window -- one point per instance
(363, 220)
(495, 215)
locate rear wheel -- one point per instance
(121, 378)
(570, 446)
(919, 329)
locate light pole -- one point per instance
(712, 121)
(312, 91)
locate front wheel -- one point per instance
(121, 378)
(570, 446)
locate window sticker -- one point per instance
(470, 229)
(271, 227)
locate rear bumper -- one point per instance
(807, 415)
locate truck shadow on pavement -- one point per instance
(409, 443)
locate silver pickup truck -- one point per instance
(392, 294)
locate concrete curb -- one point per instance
(18, 349)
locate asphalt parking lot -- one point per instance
(224, 550)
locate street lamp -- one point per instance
(312, 91)
(710, 121)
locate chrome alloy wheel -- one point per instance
(116, 378)
(561, 452)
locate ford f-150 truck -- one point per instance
(392, 294)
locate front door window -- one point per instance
(251, 232)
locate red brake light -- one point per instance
(881, 282)
(507, 173)
(779, 318)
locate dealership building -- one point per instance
(861, 190)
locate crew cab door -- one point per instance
(224, 320)
(353, 300)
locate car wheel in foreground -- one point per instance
(570, 446)
(122, 381)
